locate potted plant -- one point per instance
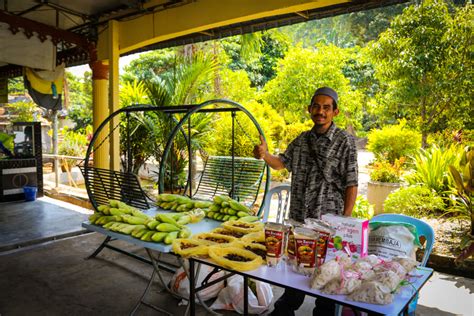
(385, 177)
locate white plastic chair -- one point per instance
(283, 193)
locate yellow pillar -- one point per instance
(114, 56)
(100, 96)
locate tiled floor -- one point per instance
(25, 223)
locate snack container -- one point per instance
(351, 237)
(275, 242)
(306, 249)
(325, 232)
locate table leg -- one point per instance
(246, 295)
(192, 287)
(99, 249)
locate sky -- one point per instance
(79, 71)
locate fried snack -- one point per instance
(372, 292)
(327, 272)
(235, 258)
(186, 247)
(256, 248)
(227, 232)
(388, 278)
(255, 238)
(349, 283)
(243, 227)
(408, 263)
(212, 238)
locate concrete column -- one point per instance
(100, 110)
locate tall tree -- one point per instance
(425, 63)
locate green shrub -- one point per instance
(362, 208)
(384, 171)
(393, 142)
(414, 201)
(73, 144)
(431, 167)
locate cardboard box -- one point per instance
(352, 236)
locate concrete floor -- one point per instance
(26, 223)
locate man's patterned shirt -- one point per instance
(322, 167)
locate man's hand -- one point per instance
(260, 150)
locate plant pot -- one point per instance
(377, 193)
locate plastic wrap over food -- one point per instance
(372, 292)
(408, 263)
(347, 284)
(389, 279)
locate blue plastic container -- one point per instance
(30, 193)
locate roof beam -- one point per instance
(29, 27)
(201, 16)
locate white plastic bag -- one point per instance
(232, 296)
(180, 283)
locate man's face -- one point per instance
(322, 111)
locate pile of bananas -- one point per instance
(223, 208)
(125, 219)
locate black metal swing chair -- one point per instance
(238, 177)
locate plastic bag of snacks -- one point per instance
(275, 242)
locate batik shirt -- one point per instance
(322, 167)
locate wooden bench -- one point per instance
(216, 178)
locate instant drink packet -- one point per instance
(325, 232)
(306, 249)
(275, 242)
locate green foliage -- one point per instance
(384, 171)
(463, 191)
(79, 99)
(25, 111)
(7, 141)
(73, 144)
(425, 63)
(301, 72)
(416, 201)
(362, 208)
(246, 134)
(430, 167)
(16, 86)
(393, 142)
(257, 54)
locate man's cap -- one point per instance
(325, 91)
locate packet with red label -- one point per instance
(306, 249)
(325, 232)
(275, 242)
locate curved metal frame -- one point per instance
(187, 117)
(127, 110)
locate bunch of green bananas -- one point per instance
(226, 209)
(120, 217)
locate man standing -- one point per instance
(323, 163)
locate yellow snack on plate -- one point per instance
(186, 247)
(213, 238)
(235, 258)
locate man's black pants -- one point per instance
(291, 300)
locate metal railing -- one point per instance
(60, 160)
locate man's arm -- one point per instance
(349, 200)
(261, 152)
